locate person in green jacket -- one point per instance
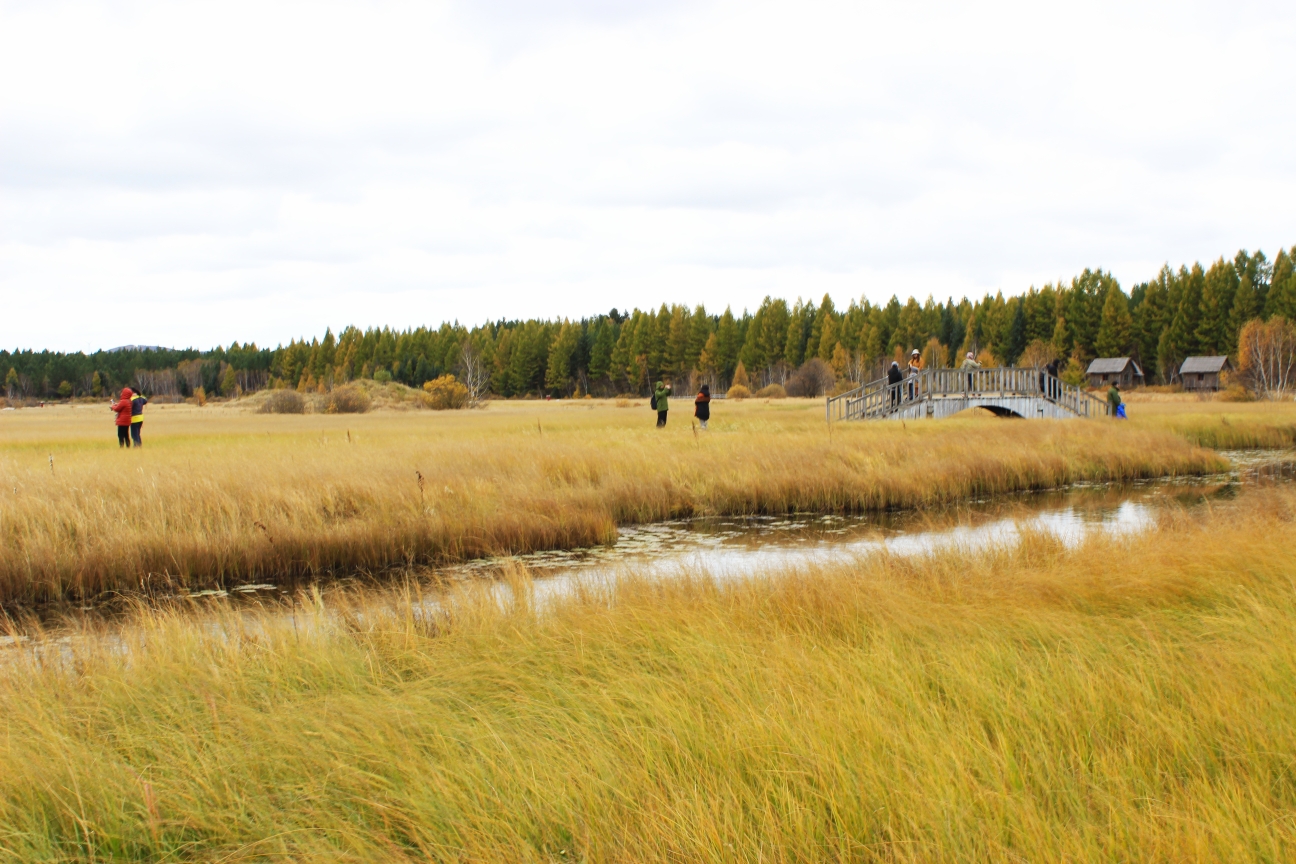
(661, 401)
(1113, 399)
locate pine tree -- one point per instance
(1282, 289)
(1218, 290)
(600, 364)
(1015, 344)
(708, 361)
(1149, 322)
(814, 345)
(1246, 306)
(1061, 338)
(773, 331)
(677, 363)
(828, 340)
(562, 353)
(740, 376)
(1114, 330)
(728, 344)
(700, 330)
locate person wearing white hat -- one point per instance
(915, 366)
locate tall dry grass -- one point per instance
(1220, 425)
(221, 496)
(1129, 700)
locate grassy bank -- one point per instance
(1130, 700)
(220, 496)
(1220, 425)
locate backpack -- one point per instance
(654, 402)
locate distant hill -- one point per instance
(136, 348)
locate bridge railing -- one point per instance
(881, 399)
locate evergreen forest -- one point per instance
(1194, 310)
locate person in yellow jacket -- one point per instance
(138, 401)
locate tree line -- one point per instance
(1193, 310)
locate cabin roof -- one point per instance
(1203, 364)
(1110, 365)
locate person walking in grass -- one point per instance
(1114, 401)
(702, 405)
(138, 401)
(970, 363)
(123, 409)
(661, 402)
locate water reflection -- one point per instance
(729, 547)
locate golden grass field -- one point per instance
(221, 495)
(1129, 700)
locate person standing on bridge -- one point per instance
(1050, 380)
(970, 363)
(894, 377)
(915, 366)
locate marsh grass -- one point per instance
(220, 496)
(1217, 424)
(1127, 700)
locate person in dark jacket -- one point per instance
(661, 399)
(1114, 400)
(138, 401)
(122, 407)
(702, 405)
(1050, 379)
(894, 377)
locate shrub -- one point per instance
(200, 396)
(738, 391)
(284, 402)
(65, 389)
(771, 391)
(348, 399)
(1074, 374)
(382, 376)
(814, 378)
(445, 393)
(1235, 393)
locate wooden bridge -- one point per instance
(941, 392)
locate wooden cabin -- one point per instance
(1106, 371)
(1203, 373)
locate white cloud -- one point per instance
(196, 173)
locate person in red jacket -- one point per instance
(123, 408)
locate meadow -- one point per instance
(221, 495)
(1130, 699)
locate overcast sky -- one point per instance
(193, 173)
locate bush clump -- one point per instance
(284, 402)
(348, 399)
(814, 378)
(445, 394)
(738, 391)
(771, 391)
(1235, 393)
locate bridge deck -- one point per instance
(939, 393)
